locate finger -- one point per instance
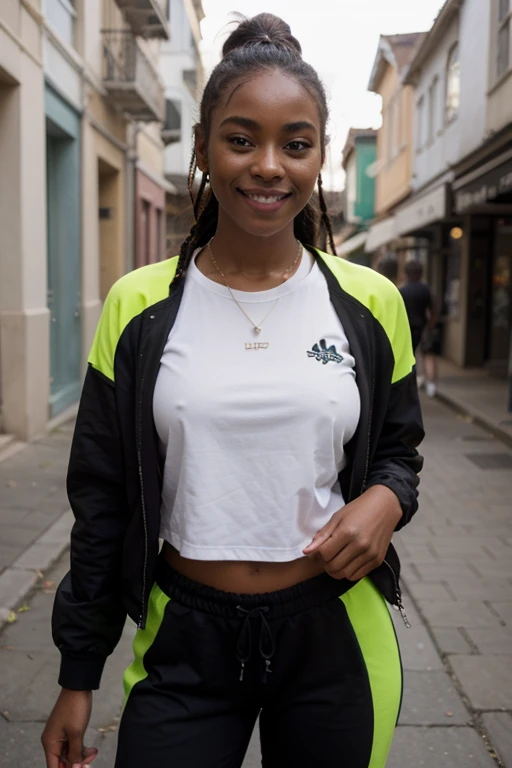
(336, 566)
(353, 570)
(53, 752)
(90, 754)
(363, 571)
(321, 536)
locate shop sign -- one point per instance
(485, 189)
(423, 211)
(380, 233)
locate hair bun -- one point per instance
(263, 29)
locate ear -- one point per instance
(201, 149)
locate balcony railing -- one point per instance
(148, 18)
(130, 77)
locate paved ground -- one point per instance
(457, 563)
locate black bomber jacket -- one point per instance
(115, 474)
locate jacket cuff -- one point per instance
(81, 673)
(401, 491)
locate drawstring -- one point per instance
(266, 644)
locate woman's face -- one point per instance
(264, 152)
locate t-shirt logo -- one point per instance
(325, 354)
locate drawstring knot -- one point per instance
(266, 646)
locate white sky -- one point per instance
(339, 38)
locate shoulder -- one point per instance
(146, 285)
(385, 303)
(128, 298)
(368, 286)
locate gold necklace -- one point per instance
(256, 327)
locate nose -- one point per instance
(267, 164)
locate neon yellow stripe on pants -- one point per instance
(144, 639)
(369, 616)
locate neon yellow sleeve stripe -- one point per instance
(127, 298)
(144, 639)
(370, 619)
(384, 301)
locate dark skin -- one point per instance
(265, 140)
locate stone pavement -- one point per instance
(457, 568)
(34, 513)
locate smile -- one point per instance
(265, 201)
(265, 198)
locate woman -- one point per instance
(253, 404)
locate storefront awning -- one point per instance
(352, 244)
(489, 184)
(422, 211)
(380, 234)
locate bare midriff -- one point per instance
(244, 577)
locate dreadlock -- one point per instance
(264, 42)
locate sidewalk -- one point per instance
(479, 395)
(457, 573)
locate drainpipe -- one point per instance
(131, 164)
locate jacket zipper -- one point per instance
(144, 516)
(399, 606)
(370, 416)
(398, 593)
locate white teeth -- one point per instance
(263, 199)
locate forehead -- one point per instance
(269, 98)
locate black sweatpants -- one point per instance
(318, 662)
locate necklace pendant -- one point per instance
(257, 329)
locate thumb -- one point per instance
(321, 536)
(75, 750)
(90, 754)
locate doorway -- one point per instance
(64, 262)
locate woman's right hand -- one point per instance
(63, 736)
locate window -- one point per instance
(61, 15)
(453, 84)
(503, 62)
(432, 109)
(420, 108)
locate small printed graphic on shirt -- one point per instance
(325, 354)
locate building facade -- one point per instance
(80, 106)
(482, 191)
(394, 143)
(359, 156)
(449, 77)
(183, 73)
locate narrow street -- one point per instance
(457, 573)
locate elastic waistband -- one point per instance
(283, 602)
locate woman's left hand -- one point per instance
(357, 537)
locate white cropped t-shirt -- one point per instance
(252, 426)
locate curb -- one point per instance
(17, 581)
(479, 418)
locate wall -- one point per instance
(24, 317)
(366, 150)
(150, 198)
(394, 177)
(351, 188)
(176, 56)
(499, 108)
(451, 141)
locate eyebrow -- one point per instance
(247, 122)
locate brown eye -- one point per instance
(298, 146)
(239, 141)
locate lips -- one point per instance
(265, 197)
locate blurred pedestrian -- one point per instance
(422, 317)
(223, 415)
(388, 266)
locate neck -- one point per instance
(240, 252)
